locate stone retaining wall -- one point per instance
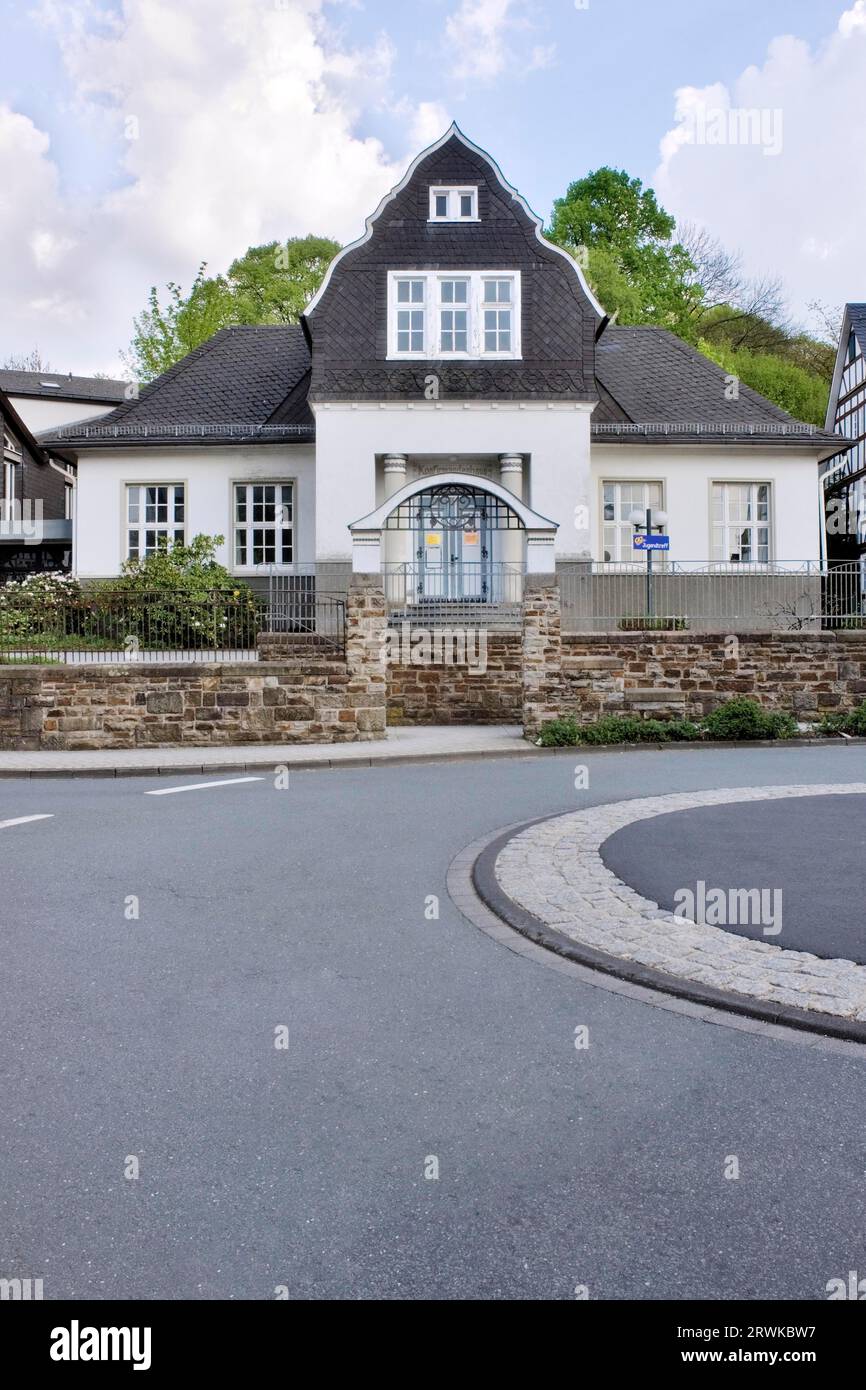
(483, 689)
(681, 674)
(96, 706)
(311, 698)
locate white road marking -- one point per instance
(203, 786)
(24, 820)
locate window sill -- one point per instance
(441, 357)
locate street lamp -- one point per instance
(645, 523)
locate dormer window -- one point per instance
(453, 204)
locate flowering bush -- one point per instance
(35, 606)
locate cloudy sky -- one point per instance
(140, 137)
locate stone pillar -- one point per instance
(366, 654)
(541, 652)
(396, 545)
(511, 542)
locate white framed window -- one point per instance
(411, 315)
(741, 523)
(498, 311)
(451, 313)
(155, 518)
(263, 524)
(456, 204)
(454, 315)
(619, 499)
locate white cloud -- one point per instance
(481, 36)
(429, 122)
(785, 187)
(243, 120)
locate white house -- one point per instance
(454, 406)
(45, 400)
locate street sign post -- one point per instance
(648, 537)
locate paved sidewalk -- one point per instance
(438, 741)
(554, 871)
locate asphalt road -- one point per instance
(409, 1038)
(807, 855)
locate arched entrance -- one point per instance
(451, 540)
(457, 550)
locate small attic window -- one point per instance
(453, 204)
(55, 385)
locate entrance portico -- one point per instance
(453, 537)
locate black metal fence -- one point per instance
(298, 608)
(110, 626)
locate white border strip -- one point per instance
(555, 871)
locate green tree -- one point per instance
(803, 394)
(268, 284)
(164, 333)
(274, 283)
(626, 240)
(648, 271)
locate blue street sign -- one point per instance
(642, 542)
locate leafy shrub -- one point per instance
(743, 718)
(854, 722)
(177, 597)
(617, 728)
(559, 733)
(740, 719)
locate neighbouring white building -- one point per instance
(455, 407)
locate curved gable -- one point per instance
(348, 318)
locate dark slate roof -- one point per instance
(347, 320)
(251, 383)
(857, 319)
(243, 383)
(60, 387)
(653, 387)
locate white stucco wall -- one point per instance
(348, 437)
(41, 413)
(207, 473)
(686, 475)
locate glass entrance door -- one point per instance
(454, 550)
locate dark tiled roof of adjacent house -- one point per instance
(244, 383)
(857, 319)
(62, 387)
(27, 441)
(653, 387)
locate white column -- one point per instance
(511, 473)
(396, 545)
(511, 542)
(394, 469)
